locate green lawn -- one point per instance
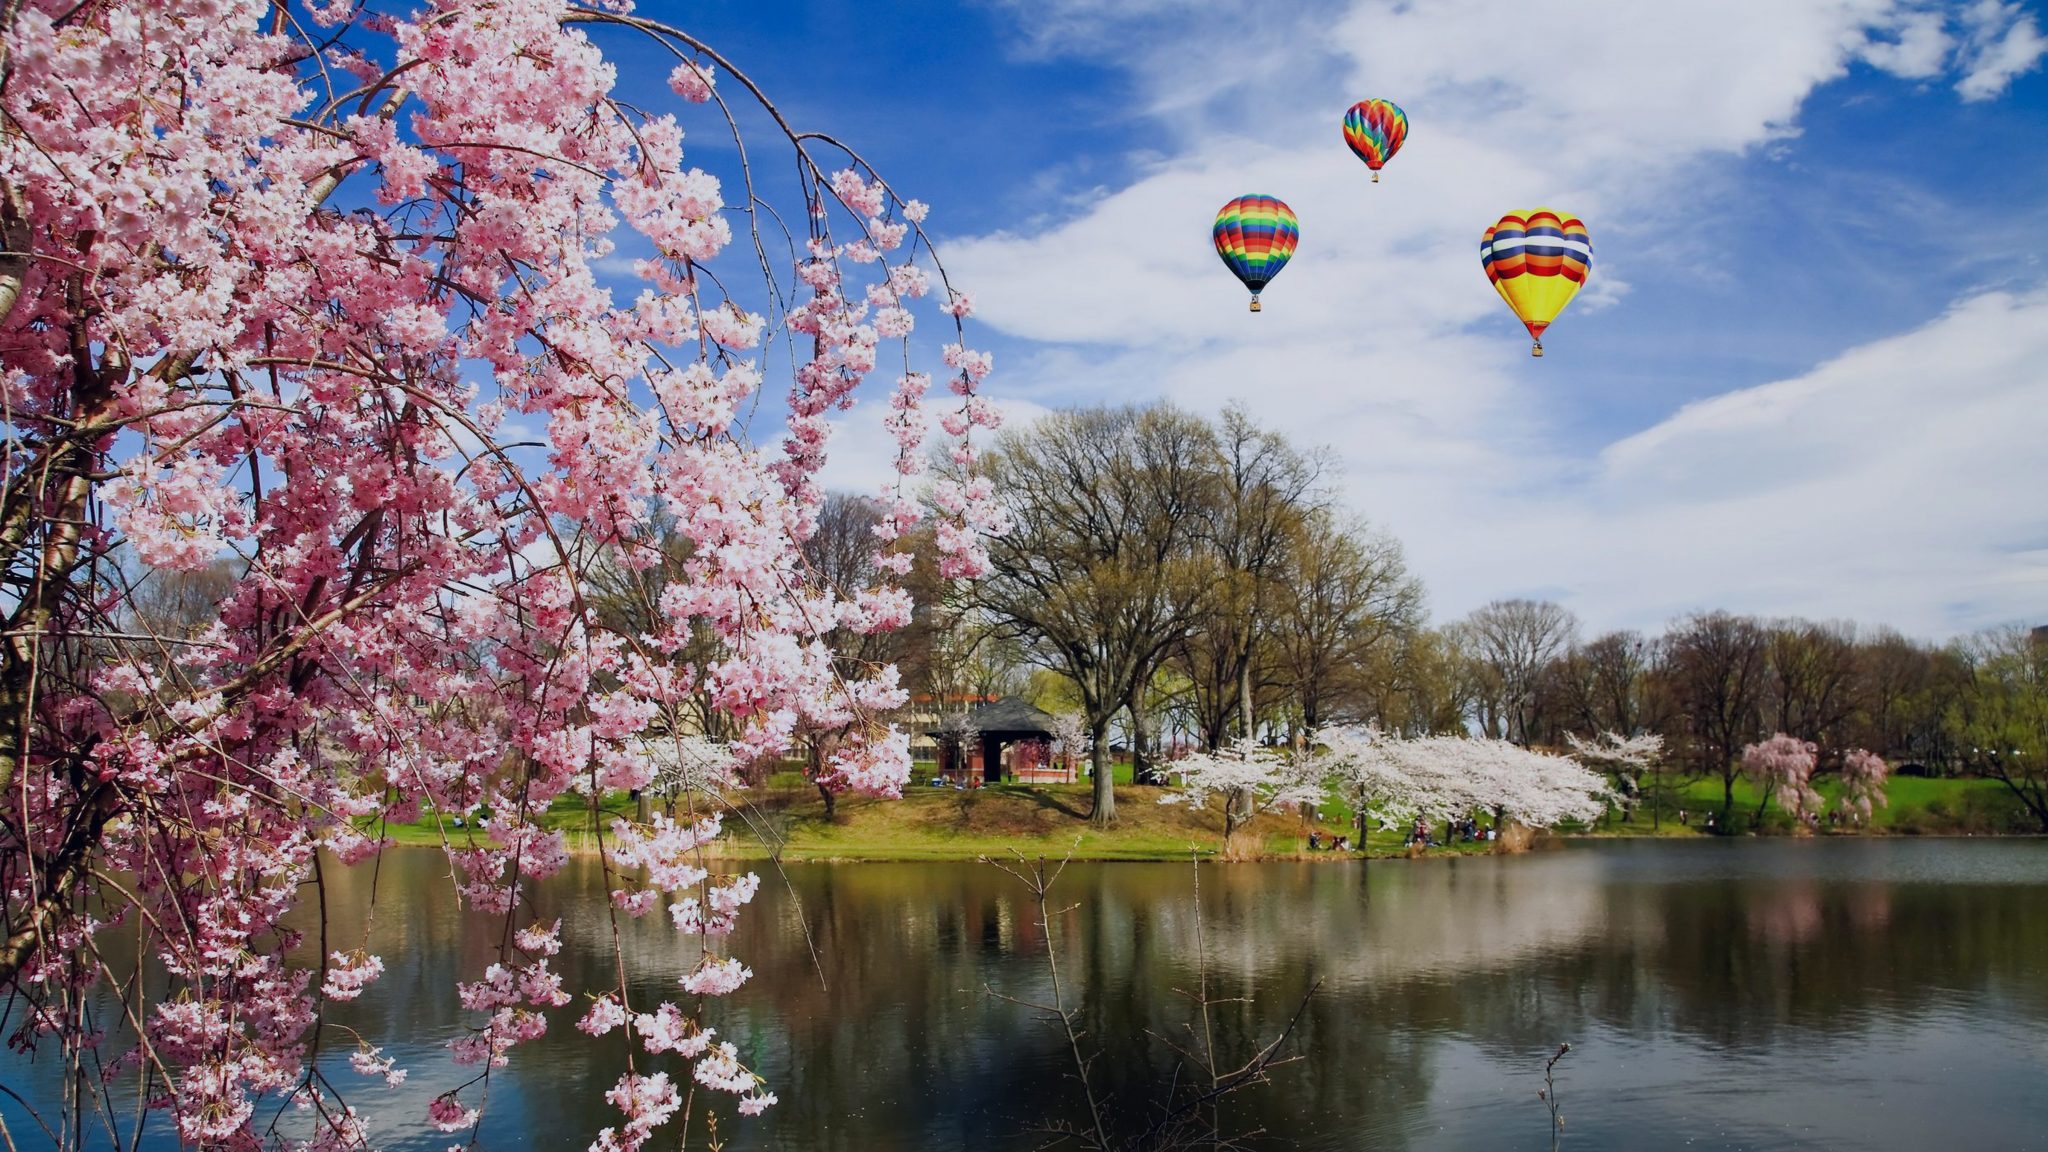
(785, 817)
(1917, 804)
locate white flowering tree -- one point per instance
(1070, 742)
(1625, 758)
(1393, 779)
(1248, 778)
(959, 737)
(688, 764)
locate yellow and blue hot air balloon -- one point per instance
(1256, 236)
(1375, 130)
(1537, 261)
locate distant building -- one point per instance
(925, 714)
(1015, 740)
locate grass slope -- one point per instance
(787, 818)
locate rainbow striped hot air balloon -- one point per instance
(1375, 130)
(1537, 262)
(1256, 236)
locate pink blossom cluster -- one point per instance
(1783, 767)
(719, 912)
(447, 1114)
(329, 303)
(647, 1101)
(716, 977)
(348, 973)
(1863, 776)
(370, 1061)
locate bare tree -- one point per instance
(1715, 666)
(1890, 671)
(179, 604)
(1421, 685)
(1345, 605)
(1602, 685)
(1267, 489)
(1514, 641)
(1811, 690)
(1906, 691)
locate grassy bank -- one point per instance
(787, 818)
(1918, 806)
(939, 824)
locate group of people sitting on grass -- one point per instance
(1467, 830)
(1336, 841)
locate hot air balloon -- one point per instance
(1375, 130)
(1537, 261)
(1256, 236)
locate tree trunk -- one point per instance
(1141, 762)
(1244, 699)
(1105, 777)
(2029, 793)
(818, 770)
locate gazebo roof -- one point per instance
(1010, 716)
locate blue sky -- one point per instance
(1810, 375)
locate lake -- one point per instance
(1760, 994)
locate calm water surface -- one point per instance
(1757, 995)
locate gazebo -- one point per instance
(1007, 722)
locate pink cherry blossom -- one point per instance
(1782, 767)
(349, 973)
(378, 359)
(693, 82)
(1863, 777)
(717, 977)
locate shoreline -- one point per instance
(1212, 852)
(789, 824)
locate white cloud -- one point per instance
(1920, 52)
(2002, 41)
(1895, 483)
(1383, 340)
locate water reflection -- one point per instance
(1764, 995)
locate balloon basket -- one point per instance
(1536, 349)
(1255, 303)
(1375, 177)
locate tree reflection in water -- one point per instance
(1762, 995)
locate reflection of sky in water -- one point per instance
(1760, 995)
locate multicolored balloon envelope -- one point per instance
(1256, 236)
(1537, 261)
(1375, 130)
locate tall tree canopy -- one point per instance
(1100, 572)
